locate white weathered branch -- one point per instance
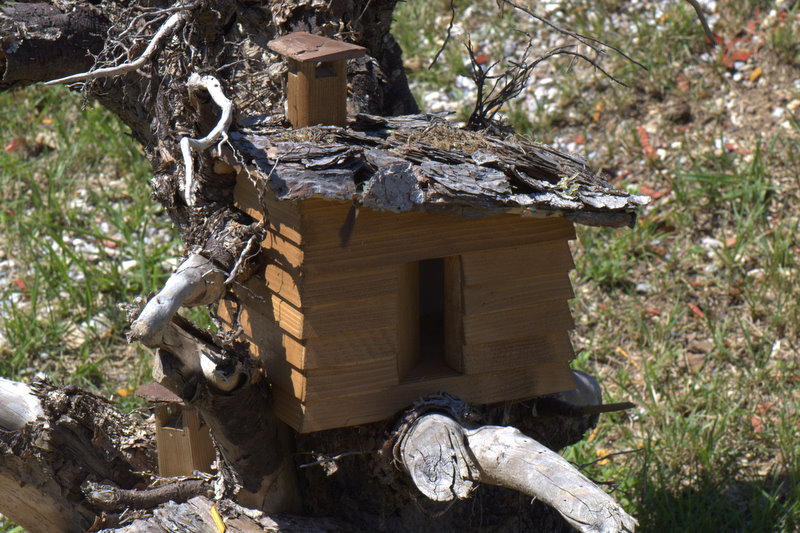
(166, 29)
(445, 460)
(18, 405)
(219, 133)
(196, 282)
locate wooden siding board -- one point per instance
(505, 293)
(322, 320)
(517, 262)
(384, 238)
(516, 353)
(283, 217)
(516, 384)
(516, 323)
(322, 383)
(325, 288)
(268, 340)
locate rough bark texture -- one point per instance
(77, 438)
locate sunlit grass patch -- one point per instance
(79, 236)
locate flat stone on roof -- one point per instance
(306, 47)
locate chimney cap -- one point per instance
(306, 47)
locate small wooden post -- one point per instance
(183, 442)
(317, 85)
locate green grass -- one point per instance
(75, 216)
(694, 314)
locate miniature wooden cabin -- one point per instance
(416, 303)
(397, 264)
(317, 81)
(183, 441)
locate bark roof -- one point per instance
(424, 163)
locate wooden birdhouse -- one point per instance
(183, 441)
(406, 257)
(317, 80)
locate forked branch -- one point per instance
(218, 134)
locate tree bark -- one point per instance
(40, 42)
(58, 440)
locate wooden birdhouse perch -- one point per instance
(317, 84)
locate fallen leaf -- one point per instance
(621, 176)
(695, 361)
(729, 57)
(763, 408)
(653, 193)
(598, 110)
(602, 452)
(738, 149)
(758, 426)
(579, 139)
(756, 74)
(13, 145)
(701, 346)
(481, 59)
(110, 244)
(697, 311)
(644, 142)
(20, 284)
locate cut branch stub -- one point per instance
(435, 458)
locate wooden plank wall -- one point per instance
(324, 318)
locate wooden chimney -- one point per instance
(317, 84)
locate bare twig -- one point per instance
(219, 133)
(704, 22)
(243, 257)
(591, 42)
(167, 28)
(447, 36)
(510, 83)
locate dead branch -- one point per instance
(63, 435)
(218, 133)
(591, 42)
(712, 41)
(195, 282)
(445, 460)
(171, 25)
(18, 405)
(111, 498)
